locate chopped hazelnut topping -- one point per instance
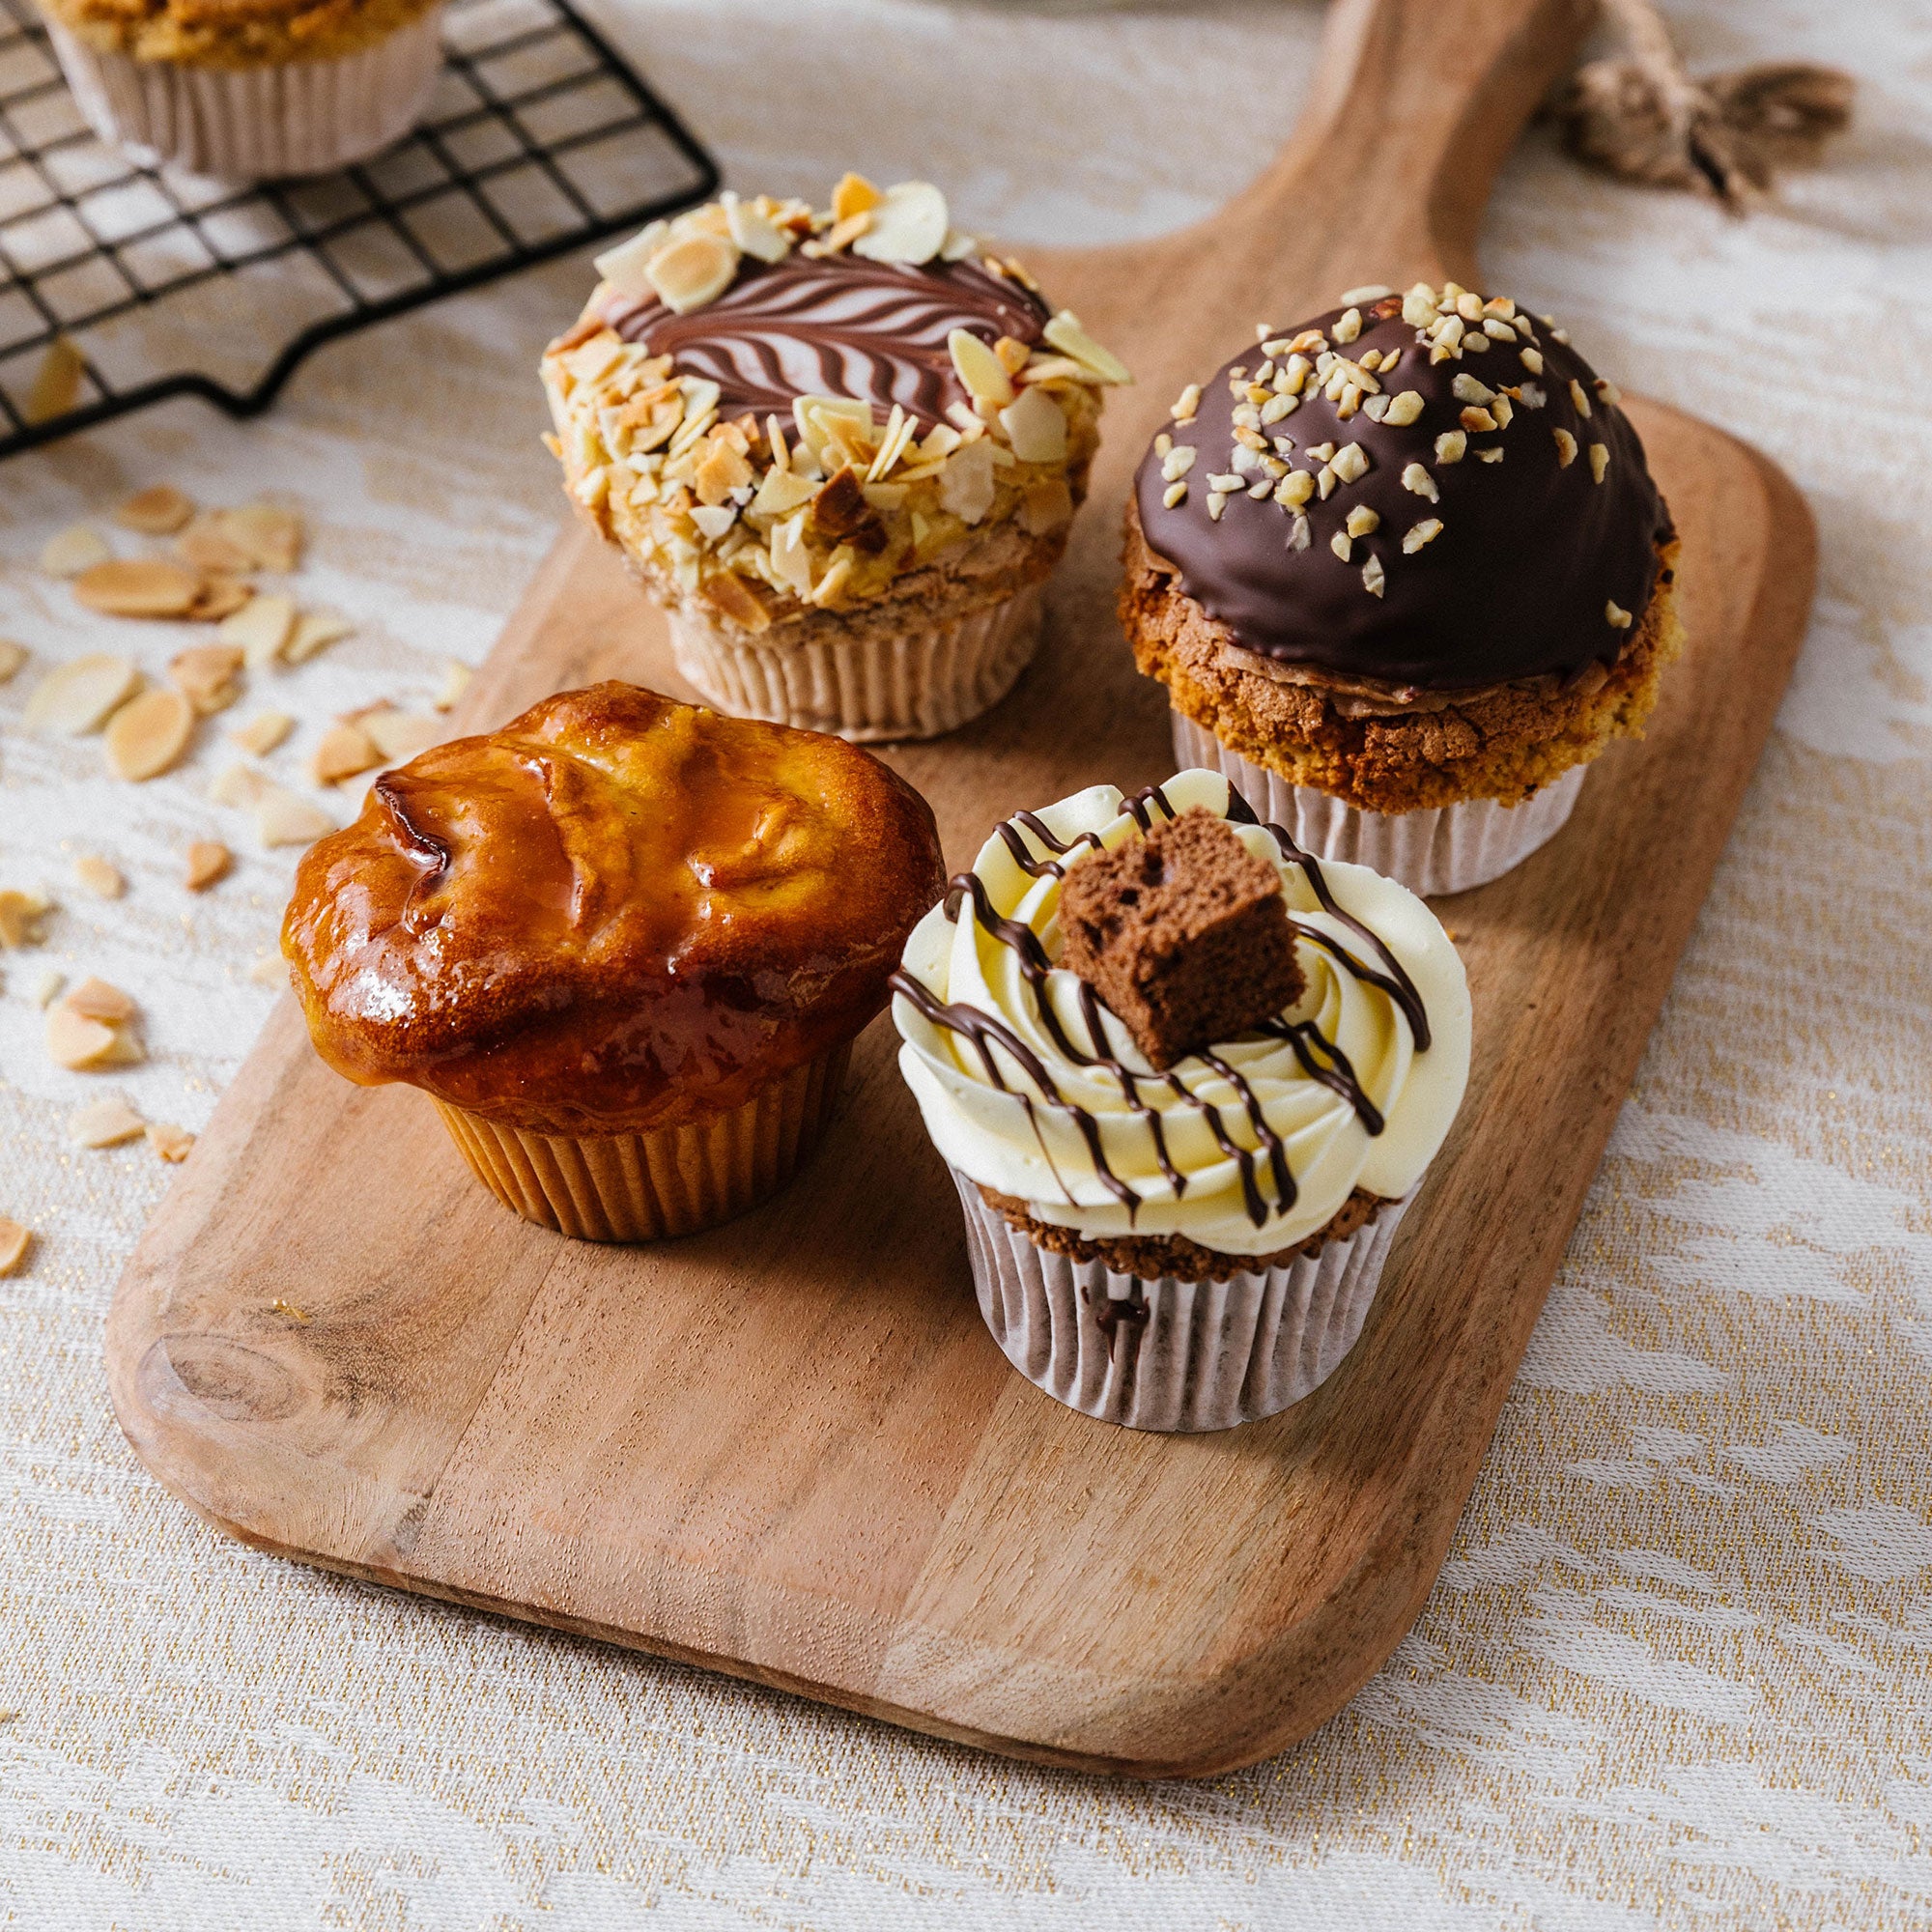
(1579, 396)
(1404, 408)
(1342, 545)
(1373, 576)
(1418, 479)
(1477, 421)
(1619, 617)
(1418, 534)
(1600, 461)
(1566, 448)
(1362, 521)
(1450, 446)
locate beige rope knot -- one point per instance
(1644, 118)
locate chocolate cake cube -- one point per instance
(1183, 934)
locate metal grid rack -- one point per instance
(149, 283)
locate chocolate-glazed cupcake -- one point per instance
(842, 449)
(1404, 573)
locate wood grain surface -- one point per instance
(788, 1448)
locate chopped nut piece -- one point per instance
(80, 697)
(207, 674)
(1466, 389)
(1350, 462)
(1579, 396)
(138, 587)
(344, 751)
(756, 234)
(315, 631)
(269, 971)
(399, 735)
(1340, 545)
(853, 195)
(1500, 408)
(983, 372)
(1450, 446)
(76, 1042)
(282, 818)
(909, 225)
(1373, 576)
(203, 547)
(1599, 460)
(1297, 533)
(170, 1142)
(693, 270)
(1418, 479)
(260, 630)
(1187, 404)
(147, 735)
(1175, 494)
(1294, 489)
(1495, 455)
(1067, 335)
(1609, 391)
(1362, 521)
(267, 534)
(238, 784)
(219, 597)
(1035, 426)
(97, 999)
(73, 551)
(21, 917)
(261, 733)
(1404, 408)
(208, 862)
(623, 267)
(1619, 617)
(15, 1241)
(11, 657)
(105, 1122)
(1477, 421)
(1566, 448)
(1532, 360)
(1348, 326)
(56, 382)
(156, 512)
(99, 876)
(1418, 534)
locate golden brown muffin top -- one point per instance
(234, 32)
(618, 913)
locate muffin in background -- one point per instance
(624, 944)
(249, 90)
(843, 448)
(1405, 574)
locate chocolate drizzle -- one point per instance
(834, 326)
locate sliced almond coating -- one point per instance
(261, 733)
(105, 1122)
(1035, 427)
(206, 673)
(100, 876)
(268, 535)
(455, 679)
(21, 917)
(260, 630)
(757, 233)
(269, 971)
(73, 551)
(208, 862)
(56, 382)
(11, 657)
(623, 267)
(983, 372)
(399, 735)
(315, 631)
(76, 1042)
(170, 1142)
(47, 988)
(693, 270)
(156, 512)
(910, 225)
(203, 547)
(344, 751)
(15, 1241)
(853, 195)
(220, 597)
(98, 999)
(147, 735)
(138, 587)
(1067, 335)
(282, 818)
(81, 696)
(238, 784)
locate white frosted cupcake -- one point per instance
(1188, 1080)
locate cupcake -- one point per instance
(841, 449)
(624, 945)
(1188, 1079)
(250, 92)
(1405, 574)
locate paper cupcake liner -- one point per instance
(932, 676)
(675, 1181)
(1443, 849)
(1209, 1354)
(258, 122)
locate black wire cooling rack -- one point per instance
(125, 284)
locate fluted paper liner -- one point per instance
(1210, 1353)
(675, 1181)
(934, 675)
(1443, 849)
(260, 123)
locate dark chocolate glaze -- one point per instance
(834, 326)
(1514, 586)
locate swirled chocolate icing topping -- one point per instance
(834, 326)
(1547, 524)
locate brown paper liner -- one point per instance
(672, 1181)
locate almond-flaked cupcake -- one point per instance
(624, 944)
(1404, 573)
(1188, 1080)
(842, 449)
(249, 90)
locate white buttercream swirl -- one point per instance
(1013, 1120)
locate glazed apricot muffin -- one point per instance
(624, 944)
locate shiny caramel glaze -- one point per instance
(618, 913)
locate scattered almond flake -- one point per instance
(240, 785)
(966, 484)
(1348, 326)
(56, 382)
(1350, 462)
(282, 818)
(1579, 396)
(1362, 521)
(909, 226)
(270, 970)
(219, 597)
(207, 675)
(315, 631)
(399, 735)
(694, 269)
(1341, 544)
(105, 1122)
(97, 999)
(99, 876)
(1418, 479)
(1174, 495)
(1619, 618)
(138, 587)
(623, 267)
(1477, 421)
(1035, 426)
(290, 1312)
(831, 586)
(11, 657)
(1373, 576)
(147, 735)
(268, 535)
(80, 697)
(260, 630)
(21, 917)
(853, 194)
(159, 511)
(1450, 446)
(202, 547)
(1067, 335)
(73, 551)
(755, 233)
(714, 522)
(455, 682)
(344, 749)
(170, 1142)
(208, 862)
(1599, 460)
(261, 733)
(15, 1237)
(77, 1042)
(47, 988)
(1566, 448)
(1532, 360)
(1418, 534)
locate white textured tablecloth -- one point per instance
(1678, 1669)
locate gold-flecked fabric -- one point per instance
(1678, 1669)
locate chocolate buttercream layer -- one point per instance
(836, 325)
(1534, 547)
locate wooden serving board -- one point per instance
(788, 1449)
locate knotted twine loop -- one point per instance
(1643, 118)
